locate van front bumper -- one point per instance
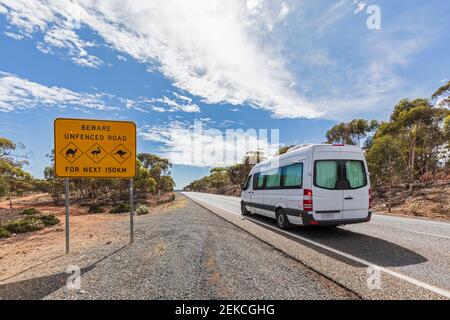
(308, 220)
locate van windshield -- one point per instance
(339, 174)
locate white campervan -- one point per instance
(317, 184)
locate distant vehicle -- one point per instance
(317, 184)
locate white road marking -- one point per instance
(426, 233)
(411, 280)
(411, 220)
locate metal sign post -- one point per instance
(89, 148)
(66, 187)
(131, 213)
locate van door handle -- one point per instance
(348, 198)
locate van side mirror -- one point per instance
(242, 187)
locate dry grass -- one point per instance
(160, 248)
(23, 251)
(429, 202)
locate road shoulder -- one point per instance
(345, 272)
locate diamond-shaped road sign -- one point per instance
(95, 148)
(120, 154)
(71, 152)
(97, 153)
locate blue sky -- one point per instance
(296, 66)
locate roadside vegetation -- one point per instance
(227, 180)
(152, 180)
(31, 220)
(407, 155)
(153, 186)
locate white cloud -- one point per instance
(13, 35)
(360, 6)
(62, 38)
(332, 15)
(164, 104)
(243, 56)
(197, 145)
(179, 96)
(173, 105)
(284, 11)
(158, 109)
(254, 6)
(19, 94)
(222, 62)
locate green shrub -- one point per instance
(141, 210)
(49, 219)
(30, 211)
(28, 224)
(120, 208)
(4, 233)
(96, 208)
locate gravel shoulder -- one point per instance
(343, 265)
(185, 253)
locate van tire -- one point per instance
(244, 210)
(282, 219)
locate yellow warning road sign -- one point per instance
(95, 148)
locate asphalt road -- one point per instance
(190, 253)
(416, 252)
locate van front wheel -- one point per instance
(244, 210)
(282, 220)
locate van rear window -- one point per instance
(339, 174)
(354, 172)
(326, 174)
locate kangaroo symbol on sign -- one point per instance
(71, 152)
(121, 153)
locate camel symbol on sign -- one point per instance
(71, 152)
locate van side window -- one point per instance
(258, 181)
(273, 179)
(292, 175)
(248, 183)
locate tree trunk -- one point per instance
(389, 196)
(413, 160)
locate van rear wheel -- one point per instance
(282, 220)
